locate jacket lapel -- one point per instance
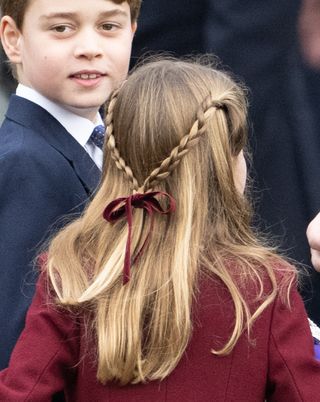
(37, 119)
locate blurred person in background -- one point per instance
(173, 26)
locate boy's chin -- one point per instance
(86, 111)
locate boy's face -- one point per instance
(74, 52)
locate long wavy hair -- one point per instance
(174, 126)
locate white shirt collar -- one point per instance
(79, 127)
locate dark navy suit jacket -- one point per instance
(45, 174)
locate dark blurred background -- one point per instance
(274, 47)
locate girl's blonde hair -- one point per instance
(174, 126)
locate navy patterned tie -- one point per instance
(97, 136)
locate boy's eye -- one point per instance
(61, 28)
(108, 26)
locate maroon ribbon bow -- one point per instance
(122, 207)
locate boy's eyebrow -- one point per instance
(71, 15)
(58, 15)
(113, 13)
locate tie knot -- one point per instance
(97, 136)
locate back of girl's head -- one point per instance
(174, 126)
(182, 122)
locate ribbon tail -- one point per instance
(147, 239)
(127, 257)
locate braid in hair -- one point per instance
(198, 128)
(159, 174)
(111, 143)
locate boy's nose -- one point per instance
(88, 46)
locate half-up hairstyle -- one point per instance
(176, 127)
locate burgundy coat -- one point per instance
(277, 365)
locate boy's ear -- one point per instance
(134, 27)
(10, 37)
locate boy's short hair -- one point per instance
(16, 9)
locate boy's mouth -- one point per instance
(87, 76)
